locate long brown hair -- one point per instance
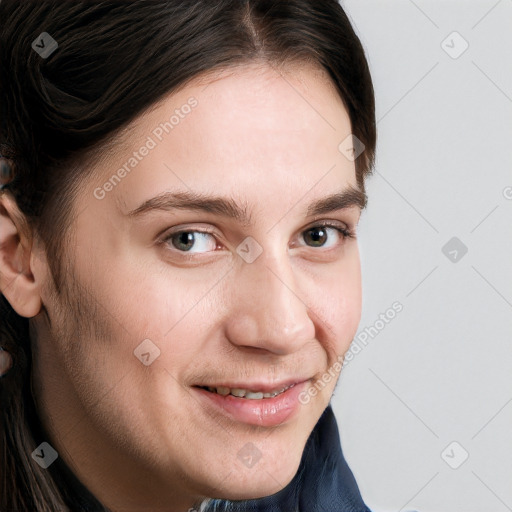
(114, 60)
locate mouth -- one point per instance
(246, 393)
(258, 404)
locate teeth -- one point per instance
(253, 396)
(222, 391)
(244, 393)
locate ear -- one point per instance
(17, 282)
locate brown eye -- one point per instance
(320, 236)
(317, 236)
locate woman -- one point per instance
(179, 268)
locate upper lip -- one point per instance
(265, 387)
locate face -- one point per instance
(214, 263)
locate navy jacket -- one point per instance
(323, 483)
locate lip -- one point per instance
(266, 412)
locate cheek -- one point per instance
(155, 318)
(339, 300)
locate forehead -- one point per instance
(231, 129)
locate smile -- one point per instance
(259, 405)
(245, 393)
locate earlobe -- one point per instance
(17, 281)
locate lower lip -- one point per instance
(266, 412)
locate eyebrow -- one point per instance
(233, 209)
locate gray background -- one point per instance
(441, 370)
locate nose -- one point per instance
(268, 310)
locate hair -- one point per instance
(115, 59)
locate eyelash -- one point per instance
(346, 234)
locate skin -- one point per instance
(136, 435)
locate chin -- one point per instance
(258, 482)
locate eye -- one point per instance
(318, 236)
(192, 241)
